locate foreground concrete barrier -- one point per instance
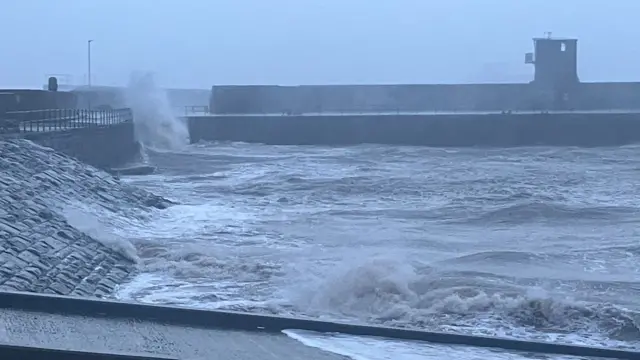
(264, 323)
(40, 353)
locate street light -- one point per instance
(89, 62)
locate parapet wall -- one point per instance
(455, 130)
(367, 98)
(267, 99)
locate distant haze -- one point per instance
(198, 43)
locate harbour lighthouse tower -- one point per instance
(555, 81)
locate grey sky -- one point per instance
(198, 43)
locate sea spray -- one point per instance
(156, 125)
(88, 219)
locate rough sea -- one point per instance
(528, 243)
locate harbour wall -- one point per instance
(272, 99)
(442, 130)
(101, 146)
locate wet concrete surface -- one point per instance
(145, 337)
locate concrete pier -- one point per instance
(592, 128)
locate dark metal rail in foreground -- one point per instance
(40, 353)
(46, 120)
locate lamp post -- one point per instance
(89, 62)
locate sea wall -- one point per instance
(39, 250)
(455, 130)
(101, 146)
(270, 99)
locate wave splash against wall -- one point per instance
(155, 123)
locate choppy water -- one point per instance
(537, 243)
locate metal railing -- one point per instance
(60, 119)
(194, 109)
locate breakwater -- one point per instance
(611, 128)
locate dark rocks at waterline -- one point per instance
(133, 170)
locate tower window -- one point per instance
(563, 46)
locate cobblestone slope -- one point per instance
(39, 250)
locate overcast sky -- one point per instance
(198, 43)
